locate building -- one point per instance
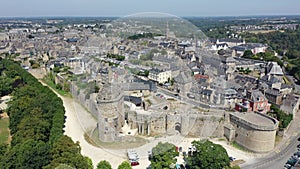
(255, 101)
(219, 46)
(255, 48)
(160, 76)
(230, 42)
(290, 104)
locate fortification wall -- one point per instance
(187, 124)
(255, 140)
(254, 137)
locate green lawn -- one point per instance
(236, 145)
(53, 86)
(4, 132)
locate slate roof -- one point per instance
(184, 77)
(274, 69)
(289, 103)
(257, 96)
(135, 100)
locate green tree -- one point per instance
(248, 54)
(233, 167)
(30, 154)
(64, 166)
(5, 85)
(208, 155)
(124, 165)
(163, 155)
(64, 151)
(32, 126)
(283, 118)
(221, 52)
(104, 165)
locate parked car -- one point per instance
(134, 163)
(288, 166)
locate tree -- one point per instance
(104, 165)
(221, 52)
(124, 165)
(233, 167)
(30, 154)
(208, 155)
(248, 54)
(163, 155)
(64, 166)
(32, 126)
(64, 151)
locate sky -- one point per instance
(29, 8)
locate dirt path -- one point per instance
(76, 129)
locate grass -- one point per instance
(221, 139)
(4, 131)
(236, 145)
(94, 140)
(53, 86)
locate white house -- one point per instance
(160, 76)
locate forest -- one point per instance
(36, 122)
(285, 43)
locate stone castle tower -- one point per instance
(110, 112)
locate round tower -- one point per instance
(110, 112)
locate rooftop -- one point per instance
(257, 120)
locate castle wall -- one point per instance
(187, 124)
(255, 140)
(252, 136)
(110, 119)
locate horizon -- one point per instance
(100, 8)
(116, 16)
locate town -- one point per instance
(157, 75)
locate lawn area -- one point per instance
(236, 145)
(134, 142)
(4, 131)
(53, 86)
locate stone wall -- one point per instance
(187, 124)
(252, 136)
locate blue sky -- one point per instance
(125, 7)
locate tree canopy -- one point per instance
(163, 155)
(208, 155)
(285, 43)
(36, 121)
(124, 165)
(104, 165)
